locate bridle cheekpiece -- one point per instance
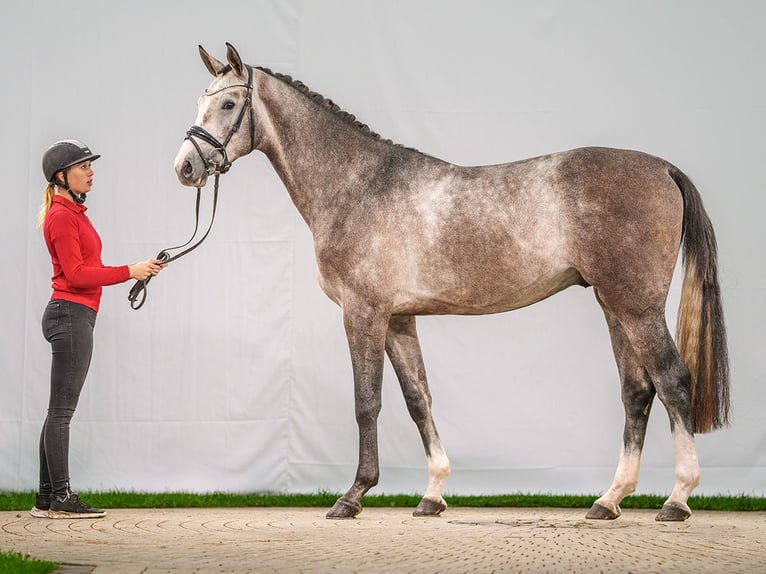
(217, 160)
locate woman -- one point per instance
(69, 318)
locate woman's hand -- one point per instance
(145, 269)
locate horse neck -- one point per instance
(313, 150)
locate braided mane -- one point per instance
(327, 103)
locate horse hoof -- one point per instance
(599, 512)
(430, 507)
(673, 512)
(344, 508)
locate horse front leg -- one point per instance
(403, 350)
(366, 331)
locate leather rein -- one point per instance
(216, 163)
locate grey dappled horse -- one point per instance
(398, 233)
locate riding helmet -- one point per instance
(64, 154)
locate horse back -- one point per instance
(427, 236)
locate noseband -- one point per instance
(216, 163)
(217, 160)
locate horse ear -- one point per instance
(234, 60)
(213, 66)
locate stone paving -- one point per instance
(390, 540)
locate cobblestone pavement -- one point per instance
(297, 540)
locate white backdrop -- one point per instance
(235, 375)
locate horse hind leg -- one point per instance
(637, 395)
(672, 380)
(403, 350)
(648, 334)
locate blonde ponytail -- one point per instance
(47, 201)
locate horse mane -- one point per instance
(328, 104)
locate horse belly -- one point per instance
(492, 291)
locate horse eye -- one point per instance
(228, 105)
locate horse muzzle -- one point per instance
(190, 169)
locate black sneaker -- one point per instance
(72, 507)
(42, 505)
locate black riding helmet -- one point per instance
(64, 154)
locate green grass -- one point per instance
(15, 563)
(23, 501)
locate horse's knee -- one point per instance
(367, 411)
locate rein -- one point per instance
(137, 294)
(216, 163)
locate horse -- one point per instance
(398, 233)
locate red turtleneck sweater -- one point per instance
(75, 248)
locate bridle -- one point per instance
(218, 160)
(216, 163)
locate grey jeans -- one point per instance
(68, 327)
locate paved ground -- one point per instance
(296, 540)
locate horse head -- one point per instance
(217, 139)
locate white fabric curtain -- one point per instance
(235, 375)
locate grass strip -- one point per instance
(15, 563)
(23, 501)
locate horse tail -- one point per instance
(701, 333)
